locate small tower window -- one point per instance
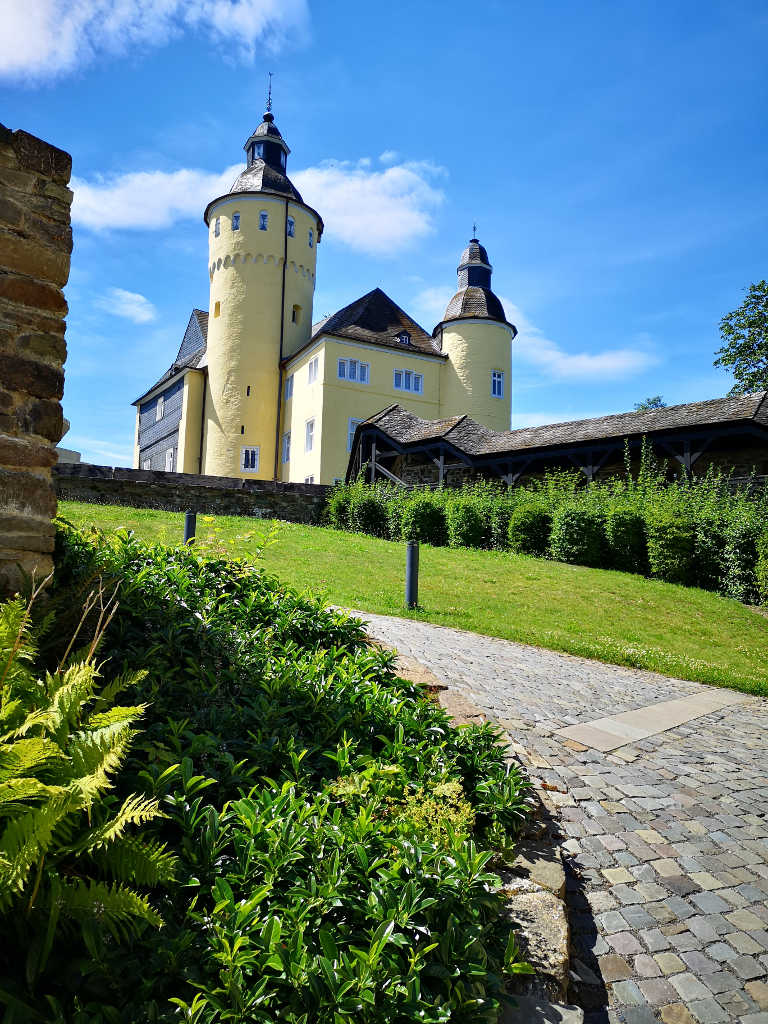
(249, 459)
(235, 221)
(263, 220)
(242, 429)
(258, 150)
(217, 309)
(248, 391)
(497, 383)
(282, 159)
(291, 227)
(311, 238)
(217, 227)
(404, 338)
(296, 315)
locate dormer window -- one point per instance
(235, 221)
(291, 227)
(404, 338)
(263, 220)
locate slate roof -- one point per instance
(474, 253)
(475, 302)
(192, 354)
(260, 177)
(475, 439)
(376, 319)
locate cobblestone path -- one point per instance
(667, 838)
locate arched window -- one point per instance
(296, 315)
(217, 227)
(311, 238)
(263, 220)
(291, 227)
(235, 221)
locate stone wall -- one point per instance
(35, 247)
(177, 492)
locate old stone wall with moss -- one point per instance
(35, 248)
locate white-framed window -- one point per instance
(160, 408)
(352, 426)
(497, 383)
(353, 369)
(217, 227)
(312, 368)
(291, 227)
(407, 380)
(235, 221)
(169, 460)
(309, 479)
(146, 464)
(286, 447)
(249, 459)
(309, 435)
(263, 220)
(311, 237)
(289, 387)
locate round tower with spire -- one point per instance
(477, 337)
(262, 240)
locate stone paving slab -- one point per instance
(619, 730)
(667, 837)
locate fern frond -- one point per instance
(98, 754)
(42, 718)
(17, 649)
(136, 810)
(116, 907)
(117, 685)
(115, 716)
(24, 789)
(28, 756)
(69, 692)
(25, 839)
(137, 862)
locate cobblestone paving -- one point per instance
(667, 839)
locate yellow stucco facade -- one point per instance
(477, 348)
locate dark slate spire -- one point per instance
(475, 297)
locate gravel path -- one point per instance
(668, 837)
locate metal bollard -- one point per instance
(190, 522)
(412, 574)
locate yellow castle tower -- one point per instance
(262, 240)
(476, 336)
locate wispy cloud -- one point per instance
(43, 39)
(372, 211)
(102, 453)
(129, 305)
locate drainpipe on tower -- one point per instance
(280, 360)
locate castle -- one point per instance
(258, 391)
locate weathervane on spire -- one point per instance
(474, 230)
(269, 93)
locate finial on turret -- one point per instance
(474, 230)
(269, 93)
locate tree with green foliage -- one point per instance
(652, 402)
(744, 332)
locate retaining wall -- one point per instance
(177, 492)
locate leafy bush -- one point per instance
(529, 529)
(761, 570)
(740, 556)
(710, 550)
(334, 832)
(466, 528)
(368, 511)
(72, 868)
(338, 508)
(578, 535)
(424, 519)
(625, 536)
(671, 545)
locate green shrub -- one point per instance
(424, 519)
(578, 535)
(466, 528)
(671, 545)
(529, 528)
(500, 513)
(368, 511)
(761, 570)
(338, 508)
(742, 533)
(625, 535)
(710, 550)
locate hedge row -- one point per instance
(697, 533)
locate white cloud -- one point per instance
(102, 453)
(376, 212)
(147, 199)
(46, 38)
(130, 305)
(389, 156)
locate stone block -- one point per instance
(27, 292)
(35, 378)
(531, 1010)
(28, 256)
(34, 154)
(541, 864)
(48, 346)
(19, 451)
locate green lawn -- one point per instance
(611, 616)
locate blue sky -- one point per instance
(614, 156)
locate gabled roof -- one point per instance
(475, 439)
(376, 319)
(192, 351)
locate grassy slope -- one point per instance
(615, 617)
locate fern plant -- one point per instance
(70, 859)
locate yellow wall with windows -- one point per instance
(188, 453)
(476, 347)
(246, 277)
(333, 402)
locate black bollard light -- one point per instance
(190, 523)
(412, 574)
